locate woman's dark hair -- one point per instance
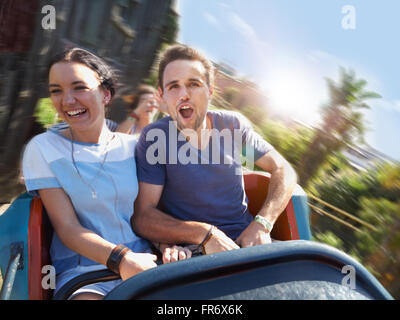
(105, 73)
(141, 90)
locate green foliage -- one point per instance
(292, 143)
(381, 213)
(230, 95)
(45, 113)
(330, 239)
(219, 102)
(257, 115)
(388, 177)
(374, 197)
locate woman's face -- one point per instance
(77, 95)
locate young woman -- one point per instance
(86, 177)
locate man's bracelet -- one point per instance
(206, 239)
(264, 222)
(115, 258)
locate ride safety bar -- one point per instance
(16, 262)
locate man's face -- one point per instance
(186, 93)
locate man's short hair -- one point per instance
(183, 52)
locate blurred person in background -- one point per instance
(141, 111)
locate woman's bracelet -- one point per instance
(115, 258)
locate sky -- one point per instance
(289, 48)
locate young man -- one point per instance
(200, 198)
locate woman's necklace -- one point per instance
(89, 184)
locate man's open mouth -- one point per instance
(76, 112)
(185, 111)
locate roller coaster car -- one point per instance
(291, 268)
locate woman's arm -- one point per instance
(84, 241)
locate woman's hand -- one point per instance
(133, 263)
(174, 253)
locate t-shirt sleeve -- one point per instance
(253, 145)
(36, 170)
(149, 161)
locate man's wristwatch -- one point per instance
(264, 222)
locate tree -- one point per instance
(380, 249)
(342, 122)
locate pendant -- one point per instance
(94, 195)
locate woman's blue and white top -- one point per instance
(48, 163)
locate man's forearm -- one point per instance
(158, 226)
(281, 186)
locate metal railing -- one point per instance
(339, 211)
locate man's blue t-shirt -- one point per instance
(204, 184)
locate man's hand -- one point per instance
(133, 263)
(253, 235)
(219, 242)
